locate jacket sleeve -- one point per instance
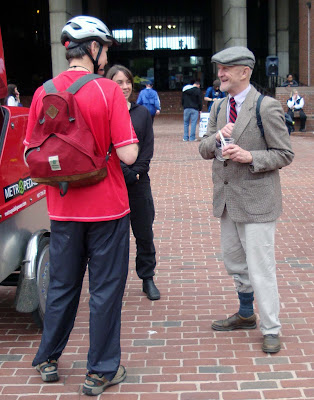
(290, 103)
(300, 104)
(129, 175)
(208, 90)
(146, 152)
(140, 98)
(142, 163)
(157, 102)
(279, 151)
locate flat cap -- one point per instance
(237, 55)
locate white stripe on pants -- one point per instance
(248, 253)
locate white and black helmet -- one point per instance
(83, 28)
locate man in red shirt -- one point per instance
(90, 224)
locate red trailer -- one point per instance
(24, 222)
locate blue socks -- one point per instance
(246, 304)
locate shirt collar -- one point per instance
(240, 97)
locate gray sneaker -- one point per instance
(271, 344)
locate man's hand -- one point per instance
(226, 131)
(236, 153)
(157, 112)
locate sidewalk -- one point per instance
(168, 347)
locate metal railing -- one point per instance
(268, 87)
(263, 90)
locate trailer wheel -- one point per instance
(42, 279)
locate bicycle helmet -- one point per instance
(84, 28)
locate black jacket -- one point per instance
(192, 97)
(142, 123)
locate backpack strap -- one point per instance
(78, 84)
(258, 114)
(49, 87)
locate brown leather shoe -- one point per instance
(271, 344)
(235, 322)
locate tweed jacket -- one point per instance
(251, 192)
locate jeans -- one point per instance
(190, 114)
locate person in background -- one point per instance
(192, 106)
(289, 81)
(138, 184)
(90, 225)
(247, 193)
(149, 98)
(13, 97)
(296, 103)
(213, 93)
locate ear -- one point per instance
(94, 48)
(246, 73)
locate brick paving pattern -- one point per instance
(168, 347)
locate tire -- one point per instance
(42, 279)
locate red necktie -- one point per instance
(233, 111)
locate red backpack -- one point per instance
(62, 149)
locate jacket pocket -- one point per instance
(259, 196)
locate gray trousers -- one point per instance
(249, 256)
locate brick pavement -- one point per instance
(167, 346)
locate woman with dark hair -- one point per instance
(138, 184)
(13, 97)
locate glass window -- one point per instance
(123, 35)
(170, 42)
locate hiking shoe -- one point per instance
(48, 370)
(235, 322)
(95, 384)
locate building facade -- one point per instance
(168, 43)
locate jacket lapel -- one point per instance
(222, 116)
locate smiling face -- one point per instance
(233, 78)
(124, 82)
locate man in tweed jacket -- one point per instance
(247, 192)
